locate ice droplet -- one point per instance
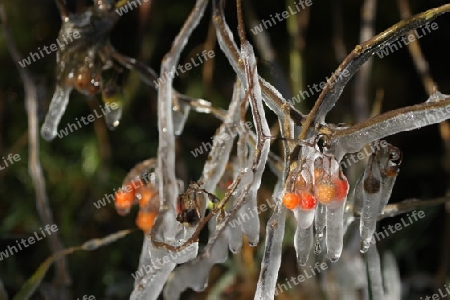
(112, 117)
(55, 112)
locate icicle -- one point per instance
(304, 217)
(251, 227)
(371, 203)
(235, 235)
(335, 230)
(303, 241)
(389, 159)
(271, 261)
(157, 264)
(319, 225)
(55, 112)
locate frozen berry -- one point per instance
(307, 201)
(341, 189)
(325, 192)
(145, 220)
(124, 199)
(291, 200)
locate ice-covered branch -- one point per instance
(353, 139)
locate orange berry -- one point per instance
(146, 195)
(145, 220)
(341, 189)
(125, 198)
(325, 192)
(307, 201)
(291, 200)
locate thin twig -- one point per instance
(361, 99)
(62, 275)
(419, 60)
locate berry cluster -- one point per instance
(145, 195)
(328, 185)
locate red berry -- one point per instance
(307, 201)
(290, 200)
(341, 189)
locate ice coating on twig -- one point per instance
(180, 115)
(220, 151)
(157, 265)
(251, 227)
(271, 261)
(154, 267)
(374, 273)
(371, 203)
(227, 39)
(194, 274)
(353, 139)
(55, 112)
(166, 228)
(216, 251)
